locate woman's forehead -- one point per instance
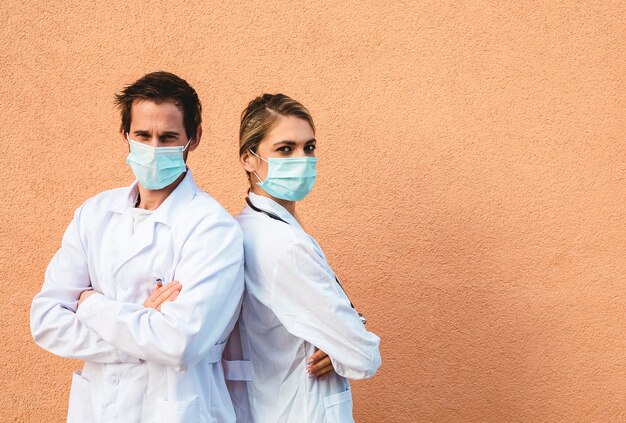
(290, 128)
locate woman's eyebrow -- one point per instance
(289, 142)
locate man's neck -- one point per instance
(152, 199)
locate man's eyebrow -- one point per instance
(163, 134)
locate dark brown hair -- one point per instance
(162, 87)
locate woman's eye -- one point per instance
(310, 148)
(284, 149)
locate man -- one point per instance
(151, 347)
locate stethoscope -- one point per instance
(276, 217)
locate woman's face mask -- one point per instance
(290, 178)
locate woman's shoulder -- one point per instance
(258, 227)
(267, 236)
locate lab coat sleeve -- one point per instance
(53, 322)
(211, 273)
(310, 303)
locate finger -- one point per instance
(325, 371)
(318, 355)
(158, 290)
(164, 293)
(164, 287)
(171, 297)
(313, 368)
(160, 293)
(316, 370)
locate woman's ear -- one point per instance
(247, 161)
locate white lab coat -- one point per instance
(291, 305)
(142, 365)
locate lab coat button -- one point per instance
(114, 380)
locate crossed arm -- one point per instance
(319, 363)
(158, 297)
(71, 320)
(319, 312)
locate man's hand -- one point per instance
(84, 295)
(163, 294)
(319, 364)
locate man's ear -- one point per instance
(124, 136)
(247, 161)
(195, 142)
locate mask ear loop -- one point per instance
(254, 171)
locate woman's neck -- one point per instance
(290, 206)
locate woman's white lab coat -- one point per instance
(142, 365)
(291, 305)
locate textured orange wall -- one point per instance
(471, 193)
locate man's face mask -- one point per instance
(156, 167)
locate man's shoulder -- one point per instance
(104, 201)
(203, 207)
(203, 203)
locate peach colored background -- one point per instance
(471, 192)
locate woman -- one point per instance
(298, 329)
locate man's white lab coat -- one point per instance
(142, 365)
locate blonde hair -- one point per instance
(261, 115)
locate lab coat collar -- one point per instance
(267, 204)
(169, 209)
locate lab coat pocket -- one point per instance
(79, 399)
(179, 411)
(339, 407)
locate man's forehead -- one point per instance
(142, 103)
(149, 110)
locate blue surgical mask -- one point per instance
(156, 167)
(290, 178)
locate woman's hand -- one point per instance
(319, 364)
(163, 294)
